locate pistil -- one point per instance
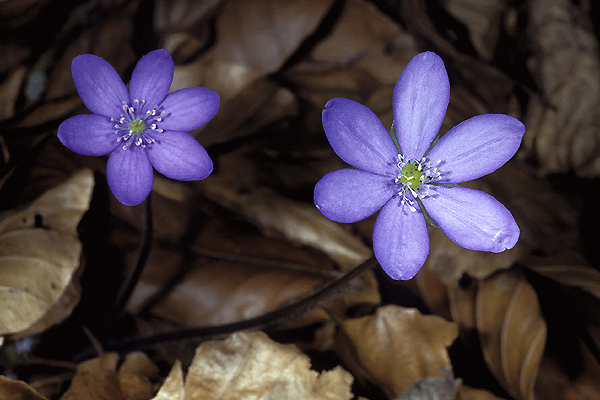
(414, 179)
(134, 127)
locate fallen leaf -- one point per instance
(135, 376)
(563, 60)
(17, 390)
(512, 331)
(387, 348)
(39, 253)
(249, 365)
(465, 392)
(172, 388)
(96, 379)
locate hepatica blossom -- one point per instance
(141, 127)
(414, 177)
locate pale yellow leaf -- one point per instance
(250, 366)
(172, 387)
(39, 253)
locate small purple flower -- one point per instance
(141, 128)
(422, 177)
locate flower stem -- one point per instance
(125, 294)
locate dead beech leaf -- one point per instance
(568, 270)
(94, 385)
(361, 58)
(172, 388)
(512, 331)
(255, 38)
(249, 365)
(387, 348)
(96, 379)
(134, 376)
(17, 390)
(547, 222)
(482, 19)
(465, 392)
(562, 127)
(39, 253)
(298, 222)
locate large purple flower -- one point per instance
(141, 128)
(421, 177)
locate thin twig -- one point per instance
(261, 322)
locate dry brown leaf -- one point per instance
(172, 388)
(562, 127)
(96, 379)
(134, 376)
(94, 385)
(556, 382)
(387, 348)
(255, 38)
(218, 292)
(361, 58)
(547, 221)
(298, 222)
(482, 19)
(17, 390)
(465, 392)
(249, 365)
(39, 253)
(568, 269)
(512, 331)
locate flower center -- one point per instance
(414, 179)
(136, 127)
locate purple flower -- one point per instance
(422, 176)
(141, 128)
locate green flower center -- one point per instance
(137, 126)
(411, 174)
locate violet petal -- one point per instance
(419, 103)
(177, 155)
(477, 147)
(151, 78)
(472, 219)
(358, 137)
(99, 85)
(189, 108)
(88, 134)
(400, 240)
(350, 195)
(130, 175)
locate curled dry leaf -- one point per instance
(361, 58)
(465, 392)
(387, 348)
(278, 216)
(172, 388)
(482, 19)
(39, 253)
(512, 331)
(17, 390)
(134, 376)
(562, 127)
(254, 38)
(249, 365)
(547, 222)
